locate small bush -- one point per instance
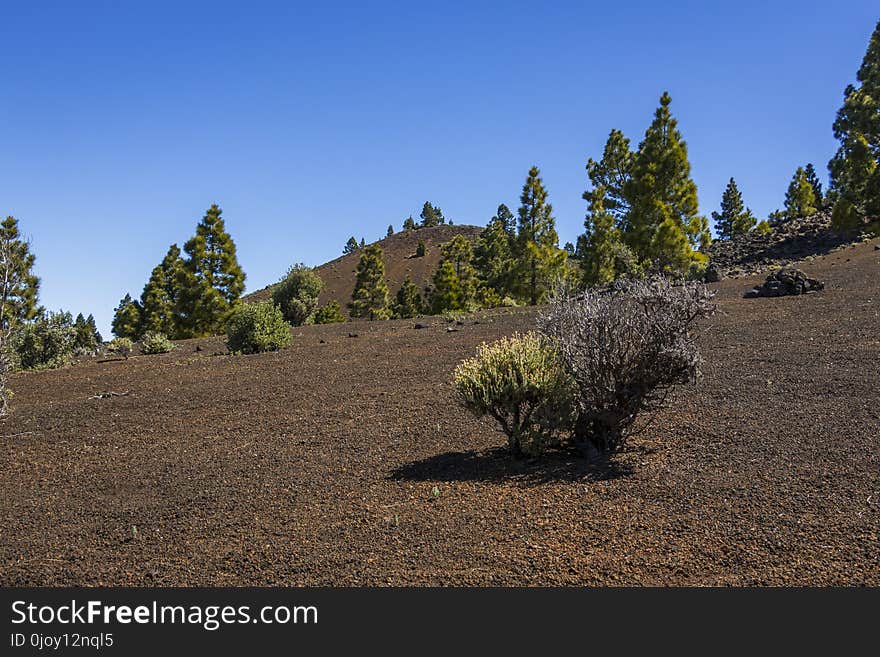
(297, 294)
(624, 348)
(121, 346)
(257, 327)
(155, 342)
(421, 249)
(330, 313)
(47, 342)
(520, 382)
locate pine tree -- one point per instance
(662, 190)
(431, 215)
(601, 242)
(93, 327)
(408, 302)
(350, 246)
(855, 168)
(211, 280)
(540, 260)
(569, 249)
(800, 200)
(459, 252)
(734, 218)
(506, 218)
(329, 313)
(86, 337)
(612, 175)
(409, 223)
(390, 231)
(421, 249)
(446, 295)
(160, 296)
(19, 286)
(493, 256)
(362, 244)
(127, 318)
(370, 296)
(813, 179)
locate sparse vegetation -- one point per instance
(46, 342)
(121, 346)
(154, 342)
(257, 327)
(370, 296)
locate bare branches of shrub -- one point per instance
(624, 347)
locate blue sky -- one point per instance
(120, 123)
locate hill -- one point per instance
(347, 461)
(400, 261)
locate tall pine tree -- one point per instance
(612, 176)
(431, 215)
(19, 286)
(734, 218)
(493, 254)
(540, 261)
(211, 280)
(408, 302)
(127, 319)
(662, 194)
(855, 168)
(601, 242)
(813, 179)
(800, 200)
(160, 296)
(370, 296)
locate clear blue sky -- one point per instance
(310, 122)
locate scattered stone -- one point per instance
(321, 342)
(786, 281)
(877, 247)
(420, 326)
(198, 347)
(451, 329)
(352, 335)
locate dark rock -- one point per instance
(786, 281)
(420, 326)
(877, 247)
(712, 275)
(352, 335)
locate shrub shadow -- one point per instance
(497, 465)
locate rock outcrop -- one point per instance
(786, 281)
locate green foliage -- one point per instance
(46, 342)
(257, 327)
(350, 246)
(408, 302)
(19, 286)
(330, 313)
(86, 336)
(127, 318)
(602, 242)
(734, 218)
(421, 249)
(154, 342)
(520, 382)
(446, 294)
(431, 215)
(370, 296)
(211, 280)
(121, 346)
(494, 250)
(297, 294)
(611, 177)
(800, 200)
(455, 281)
(662, 191)
(815, 184)
(845, 216)
(855, 168)
(161, 294)
(540, 261)
(409, 223)
(390, 231)
(763, 228)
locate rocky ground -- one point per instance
(346, 461)
(790, 240)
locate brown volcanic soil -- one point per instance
(398, 252)
(348, 462)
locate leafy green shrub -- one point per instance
(297, 294)
(520, 382)
(156, 342)
(45, 343)
(257, 327)
(421, 249)
(330, 313)
(121, 346)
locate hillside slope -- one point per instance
(347, 461)
(400, 261)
